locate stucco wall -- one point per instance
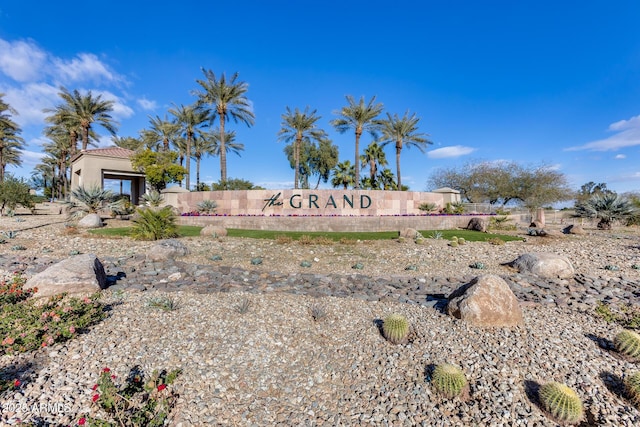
(310, 202)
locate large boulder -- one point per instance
(78, 274)
(408, 233)
(486, 301)
(574, 229)
(544, 264)
(477, 224)
(213, 231)
(165, 250)
(90, 221)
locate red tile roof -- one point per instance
(123, 153)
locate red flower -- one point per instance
(16, 383)
(113, 377)
(162, 387)
(95, 387)
(106, 370)
(95, 397)
(82, 421)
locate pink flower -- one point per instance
(44, 344)
(162, 387)
(95, 397)
(8, 341)
(72, 329)
(50, 341)
(82, 421)
(86, 300)
(113, 377)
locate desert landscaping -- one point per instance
(277, 343)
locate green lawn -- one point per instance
(191, 230)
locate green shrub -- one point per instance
(632, 388)
(163, 303)
(207, 206)
(561, 402)
(448, 380)
(496, 241)
(152, 199)
(395, 328)
(628, 342)
(154, 224)
(428, 207)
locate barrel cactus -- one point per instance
(561, 402)
(448, 380)
(632, 387)
(395, 328)
(628, 342)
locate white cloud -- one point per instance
(30, 100)
(85, 67)
(452, 151)
(627, 135)
(23, 61)
(147, 105)
(120, 109)
(620, 156)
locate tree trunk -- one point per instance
(296, 157)
(398, 150)
(223, 150)
(197, 173)
(188, 155)
(357, 162)
(85, 137)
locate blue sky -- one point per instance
(532, 82)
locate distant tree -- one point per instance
(14, 192)
(204, 144)
(322, 159)
(128, 142)
(303, 159)
(502, 182)
(343, 175)
(358, 117)
(607, 207)
(296, 127)
(234, 184)
(161, 134)
(374, 158)
(226, 100)
(190, 120)
(403, 132)
(160, 168)
(590, 189)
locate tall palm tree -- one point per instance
(227, 101)
(343, 175)
(189, 119)
(82, 111)
(204, 144)
(160, 134)
(11, 143)
(127, 142)
(358, 117)
(297, 126)
(374, 158)
(403, 131)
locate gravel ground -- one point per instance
(275, 365)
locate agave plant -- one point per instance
(607, 208)
(90, 201)
(152, 199)
(207, 206)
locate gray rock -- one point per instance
(165, 250)
(78, 274)
(214, 231)
(90, 221)
(544, 264)
(486, 301)
(408, 233)
(477, 224)
(574, 229)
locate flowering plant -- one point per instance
(136, 402)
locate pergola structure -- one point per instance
(92, 167)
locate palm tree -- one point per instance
(359, 118)
(11, 143)
(128, 142)
(59, 150)
(189, 119)
(343, 175)
(203, 145)
(607, 207)
(373, 157)
(81, 111)
(228, 101)
(403, 131)
(160, 135)
(387, 180)
(297, 126)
